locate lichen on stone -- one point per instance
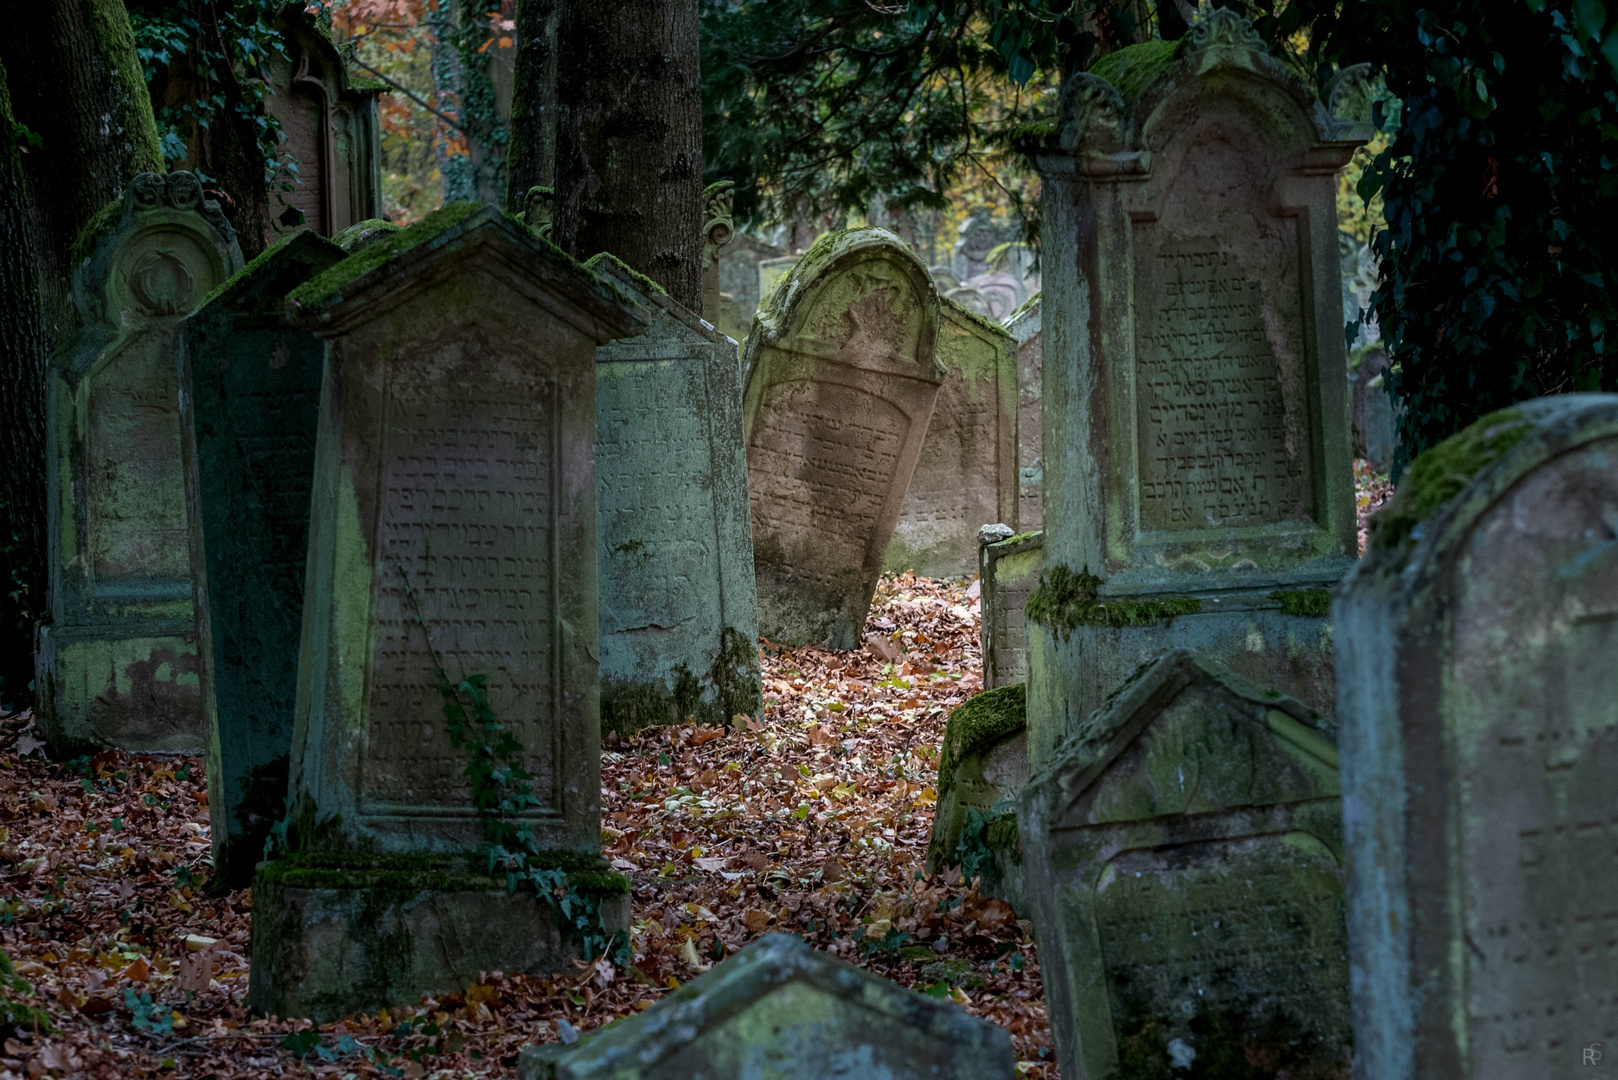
(732, 686)
(1137, 67)
(1065, 601)
(1442, 471)
(1305, 602)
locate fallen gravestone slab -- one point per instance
(249, 417)
(1181, 853)
(841, 382)
(678, 609)
(452, 562)
(779, 1010)
(1479, 702)
(117, 663)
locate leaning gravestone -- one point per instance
(678, 610)
(841, 382)
(1181, 853)
(1025, 326)
(248, 418)
(1008, 570)
(1197, 452)
(117, 662)
(779, 1010)
(452, 535)
(1479, 701)
(967, 473)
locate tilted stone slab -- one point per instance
(249, 415)
(1182, 854)
(1479, 702)
(779, 1010)
(1026, 327)
(1008, 571)
(117, 663)
(967, 473)
(1196, 444)
(678, 609)
(841, 382)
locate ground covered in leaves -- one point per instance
(814, 821)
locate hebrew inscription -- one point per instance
(1216, 445)
(467, 515)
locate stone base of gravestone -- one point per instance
(1079, 654)
(96, 689)
(1008, 571)
(982, 765)
(779, 1010)
(333, 940)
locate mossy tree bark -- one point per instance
(532, 160)
(71, 78)
(629, 138)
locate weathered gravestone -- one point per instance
(679, 614)
(117, 663)
(1008, 571)
(249, 413)
(1479, 702)
(452, 536)
(1025, 327)
(1197, 451)
(841, 382)
(779, 1010)
(1181, 852)
(362, 234)
(982, 766)
(329, 127)
(967, 473)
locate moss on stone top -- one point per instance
(1440, 473)
(329, 285)
(1024, 307)
(1308, 602)
(1065, 601)
(303, 238)
(978, 724)
(367, 86)
(641, 281)
(1137, 67)
(948, 308)
(362, 234)
(1018, 538)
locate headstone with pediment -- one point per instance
(1182, 854)
(117, 663)
(329, 129)
(1479, 703)
(841, 381)
(678, 609)
(1026, 327)
(967, 473)
(1196, 447)
(249, 414)
(452, 540)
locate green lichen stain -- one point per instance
(732, 687)
(1137, 67)
(979, 724)
(1064, 601)
(646, 284)
(1440, 473)
(1305, 602)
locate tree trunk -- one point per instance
(532, 161)
(629, 138)
(73, 81)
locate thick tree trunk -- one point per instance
(74, 82)
(532, 160)
(629, 138)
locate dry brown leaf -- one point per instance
(756, 920)
(831, 871)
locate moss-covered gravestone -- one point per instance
(982, 766)
(1196, 444)
(453, 528)
(1026, 327)
(117, 663)
(967, 473)
(841, 382)
(1008, 571)
(1181, 853)
(679, 614)
(248, 416)
(779, 1010)
(1479, 701)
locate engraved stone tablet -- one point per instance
(1196, 449)
(1009, 571)
(249, 416)
(967, 474)
(453, 520)
(779, 1010)
(679, 613)
(118, 660)
(1026, 329)
(1181, 852)
(1480, 717)
(841, 382)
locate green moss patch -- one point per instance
(98, 228)
(646, 284)
(1137, 67)
(980, 723)
(1311, 602)
(1065, 601)
(1440, 473)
